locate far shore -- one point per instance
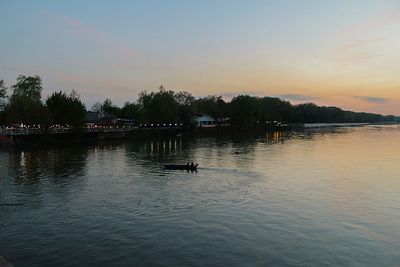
(14, 136)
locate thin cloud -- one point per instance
(360, 43)
(358, 48)
(372, 99)
(356, 51)
(347, 59)
(84, 32)
(371, 23)
(81, 30)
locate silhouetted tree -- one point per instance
(28, 87)
(245, 111)
(131, 111)
(97, 107)
(3, 89)
(213, 105)
(186, 106)
(25, 105)
(160, 106)
(275, 109)
(166, 106)
(3, 94)
(66, 109)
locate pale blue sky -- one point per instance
(342, 53)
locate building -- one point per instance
(206, 121)
(92, 117)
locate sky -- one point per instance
(341, 53)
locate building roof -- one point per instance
(92, 116)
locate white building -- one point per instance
(204, 121)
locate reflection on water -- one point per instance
(28, 166)
(319, 197)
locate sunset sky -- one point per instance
(344, 53)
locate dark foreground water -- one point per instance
(313, 198)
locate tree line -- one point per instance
(24, 105)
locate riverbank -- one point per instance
(37, 136)
(50, 136)
(324, 125)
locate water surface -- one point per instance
(314, 198)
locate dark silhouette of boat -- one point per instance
(186, 167)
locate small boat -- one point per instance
(181, 167)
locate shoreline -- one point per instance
(76, 136)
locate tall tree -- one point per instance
(3, 89)
(3, 94)
(159, 107)
(27, 113)
(184, 98)
(66, 109)
(186, 106)
(245, 111)
(109, 108)
(275, 109)
(131, 111)
(25, 104)
(29, 87)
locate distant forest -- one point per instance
(23, 103)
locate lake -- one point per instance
(312, 198)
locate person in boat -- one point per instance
(187, 164)
(192, 164)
